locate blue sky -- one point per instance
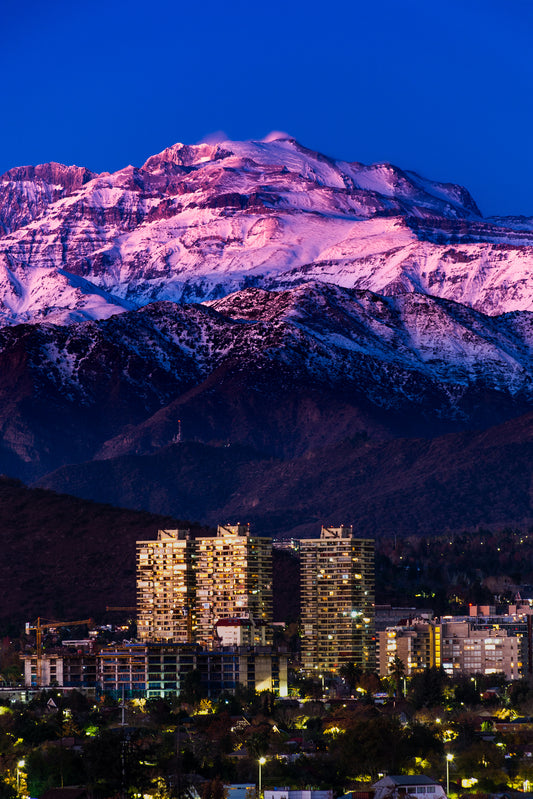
(443, 87)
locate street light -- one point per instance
(449, 759)
(20, 765)
(261, 761)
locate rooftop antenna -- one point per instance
(177, 437)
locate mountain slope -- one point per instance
(282, 372)
(199, 222)
(402, 486)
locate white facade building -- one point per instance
(398, 787)
(288, 793)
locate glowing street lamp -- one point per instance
(449, 759)
(261, 761)
(20, 765)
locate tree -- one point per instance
(112, 762)
(422, 741)
(427, 688)
(371, 746)
(52, 766)
(214, 789)
(191, 687)
(466, 692)
(486, 762)
(397, 672)
(6, 790)
(351, 674)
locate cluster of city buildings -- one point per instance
(187, 585)
(204, 605)
(483, 642)
(218, 590)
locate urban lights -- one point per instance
(449, 759)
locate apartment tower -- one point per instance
(234, 580)
(337, 600)
(166, 588)
(185, 585)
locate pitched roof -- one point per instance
(417, 779)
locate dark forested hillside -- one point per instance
(65, 558)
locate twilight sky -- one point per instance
(443, 87)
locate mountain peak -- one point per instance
(68, 177)
(197, 222)
(185, 155)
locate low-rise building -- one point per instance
(489, 651)
(157, 670)
(401, 786)
(461, 645)
(240, 790)
(289, 793)
(64, 669)
(391, 616)
(517, 622)
(417, 645)
(235, 632)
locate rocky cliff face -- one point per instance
(27, 191)
(198, 222)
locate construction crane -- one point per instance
(48, 625)
(109, 607)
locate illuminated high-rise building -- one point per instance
(166, 588)
(185, 585)
(234, 580)
(337, 600)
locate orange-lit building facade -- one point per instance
(166, 588)
(185, 585)
(233, 580)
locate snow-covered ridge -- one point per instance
(99, 389)
(443, 339)
(197, 222)
(325, 330)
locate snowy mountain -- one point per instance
(254, 321)
(198, 222)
